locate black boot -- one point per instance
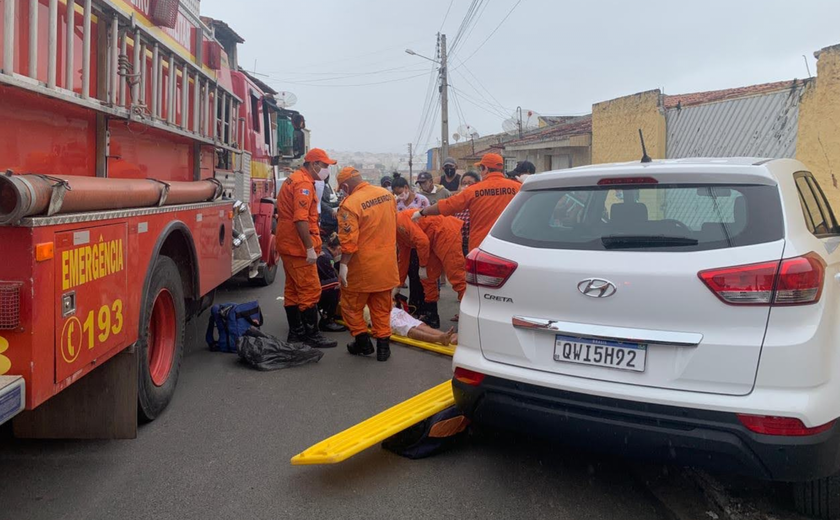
(329, 325)
(383, 349)
(314, 338)
(361, 345)
(297, 333)
(430, 315)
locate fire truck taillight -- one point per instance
(10, 305)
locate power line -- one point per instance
(426, 107)
(446, 15)
(465, 23)
(499, 109)
(473, 25)
(352, 57)
(461, 119)
(494, 31)
(349, 84)
(394, 70)
(478, 103)
(480, 84)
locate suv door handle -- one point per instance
(648, 337)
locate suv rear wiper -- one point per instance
(631, 241)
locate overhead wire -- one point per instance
(493, 32)
(498, 110)
(446, 15)
(480, 84)
(347, 58)
(479, 104)
(468, 19)
(473, 24)
(427, 107)
(395, 80)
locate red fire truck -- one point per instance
(133, 149)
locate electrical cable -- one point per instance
(350, 84)
(499, 109)
(494, 31)
(480, 84)
(446, 15)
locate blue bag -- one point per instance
(230, 321)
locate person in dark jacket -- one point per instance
(330, 288)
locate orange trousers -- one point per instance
(353, 312)
(303, 287)
(453, 264)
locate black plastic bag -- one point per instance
(265, 352)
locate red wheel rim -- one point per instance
(162, 330)
(274, 257)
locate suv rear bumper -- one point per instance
(686, 436)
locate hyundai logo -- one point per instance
(596, 288)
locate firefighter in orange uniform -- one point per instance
(438, 243)
(486, 199)
(367, 226)
(298, 242)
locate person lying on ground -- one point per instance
(406, 325)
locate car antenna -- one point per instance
(645, 157)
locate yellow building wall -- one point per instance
(818, 140)
(615, 136)
(616, 124)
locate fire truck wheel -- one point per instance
(269, 272)
(162, 339)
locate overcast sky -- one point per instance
(345, 60)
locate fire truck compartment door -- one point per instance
(90, 295)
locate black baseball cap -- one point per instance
(423, 177)
(524, 167)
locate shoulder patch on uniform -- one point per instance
(304, 191)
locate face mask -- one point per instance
(337, 258)
(402, 196)
(323, 173)
(343, 191)
(449, 172)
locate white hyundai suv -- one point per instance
(682, 309)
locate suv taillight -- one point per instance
(795, 281)
(486, 270)
(784, 426)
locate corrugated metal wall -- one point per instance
(757, 126)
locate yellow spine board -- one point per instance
(433, 347)
(362, 436)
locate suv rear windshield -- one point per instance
(651, 218)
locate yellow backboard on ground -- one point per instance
(362, 436)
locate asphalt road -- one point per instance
(222, 450)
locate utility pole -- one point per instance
(410, 164)
(444, 103)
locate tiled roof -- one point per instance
(698, 98)
(581, 125)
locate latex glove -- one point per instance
(311, 256)
(342, 274)
(423, 274)
(416, 216)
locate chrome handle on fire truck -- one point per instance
(649, 337)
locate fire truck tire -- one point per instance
(269, 273)
(161, 346)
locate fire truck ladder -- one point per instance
(139, 78)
